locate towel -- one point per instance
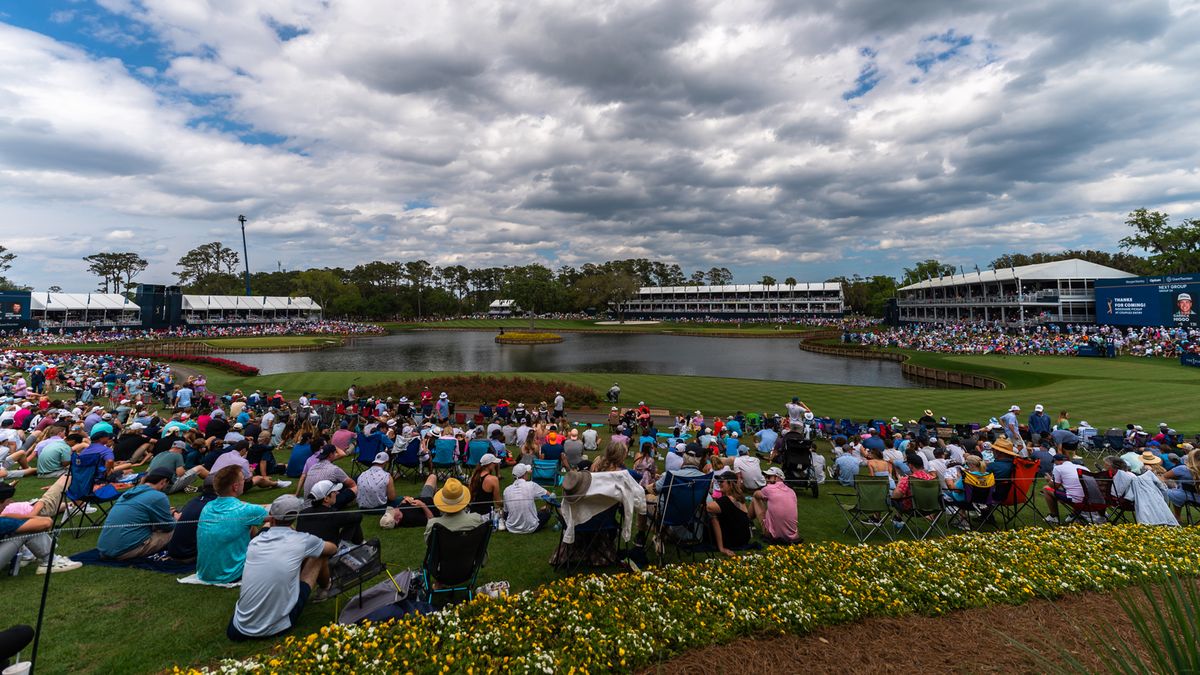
(158, 562)
(606, 488)
(195, 580)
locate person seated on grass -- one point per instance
(413, 511)
(172, 461)
(325, 519)
(133, 445)
(225, 528)
(484, 485)
(775, 509)
(848, 464)
(613, 458)
(521, 510)
(376, 486)
(1183, 479)
(1064, 487)
(237, 457)
(141, 520)
(28, 529)
(182, 546)
(646, 466)
(301, 451)
(728, 518)
(451, 502)
(321, 467)
(261, 456)
(54, 451)
(552, 448)
(282, 567)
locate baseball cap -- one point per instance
(285, 508)
(488, 458)
(520, 470)
(179, 444)
(158, 474)
(101, 435)
(324, 488)
(1038, 408)
(382, 458)
(727, 474)
(774, 471)
(1060, 457)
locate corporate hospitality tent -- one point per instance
(227, 309)
(80, 310)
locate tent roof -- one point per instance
(1072, 268)
(61, 302)
(502, 304)
(204, 303)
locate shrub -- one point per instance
(623, 622)
(475, 389)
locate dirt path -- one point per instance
(971, 641)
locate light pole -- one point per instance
(245, 253)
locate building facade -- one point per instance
(751, 301)
(1054, 292)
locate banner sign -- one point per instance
(14, 309)
(1167, 301)
(1192, 360)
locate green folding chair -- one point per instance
(870, 512)
(927, 508)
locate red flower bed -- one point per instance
(234, 367)
(476, 389)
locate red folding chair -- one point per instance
(1020, 492)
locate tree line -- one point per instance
(418, 288)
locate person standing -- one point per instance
(1012, 426)
(1039, 425)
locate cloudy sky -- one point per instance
(802, 138)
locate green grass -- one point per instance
(272, 341)
(1102, 391)
(592, 326)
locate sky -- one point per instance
(795, 138)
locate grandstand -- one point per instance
(205, 310)
(83, 310)
(748, 301)
(1055, 292)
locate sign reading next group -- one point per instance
(1148, 301)
(14, 309)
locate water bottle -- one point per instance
(495, 520)
(503, 525)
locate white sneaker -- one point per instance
(27, 557)
(1052, 520)
(283, 483)
(60, 564)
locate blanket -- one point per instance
(158, 562)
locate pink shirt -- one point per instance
(780, 519)
(341, 438)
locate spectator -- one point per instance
(282, 567)
(1064, 487)
(326, 520)
(729, 521)
(376, 486)
(28, 529)
(141, 520)
(775, 508)
(182, 546)
(484, 485)
(322, 467)
(522, 514)
(451, 502)
(226, 526)
(171, 461)
(848, 465)
(237, 457)
(413, 511)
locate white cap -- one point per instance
(324, 488)
(1014, 408)
(1038, 408)
(774, 471)
(137, 426)
(488, 458)
(520, 470)
(443, 395)
(734, 434)
(238, 425)
(1084, 424)
(808, 415)
(382, 458)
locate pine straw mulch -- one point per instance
(970, 641)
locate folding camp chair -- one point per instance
(1020, 491)
(1120, 510)
(926, 510)
(679, 518)
(85, 489)
(1096, 490)
(366, 449)
(870, 512)
(407, 462)
(978, 507)
(546, 473)
(452, 560)
(354, 566)
(597, 542)
(476, 449)
(445, 458)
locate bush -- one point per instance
(472, 390)
(626, 622)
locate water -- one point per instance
(753, 358)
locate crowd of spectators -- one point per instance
(1050, 339)
(28, 338)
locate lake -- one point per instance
(472, 351)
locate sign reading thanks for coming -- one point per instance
(1166, 301)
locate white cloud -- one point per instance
(705, 133)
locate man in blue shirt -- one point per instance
(1012, 427)
(847, 468)
(1039, 424)
(766, 440)
(226, 525)
(140, 522)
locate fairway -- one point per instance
(1105, 392)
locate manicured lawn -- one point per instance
(1102, 391)
(591, 326)
(272, 341)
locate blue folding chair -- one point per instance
(445, 457)
(367, 447)
(86, 473)
(546, 473)
(407, 462)
(476, 449)
(679, 517)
